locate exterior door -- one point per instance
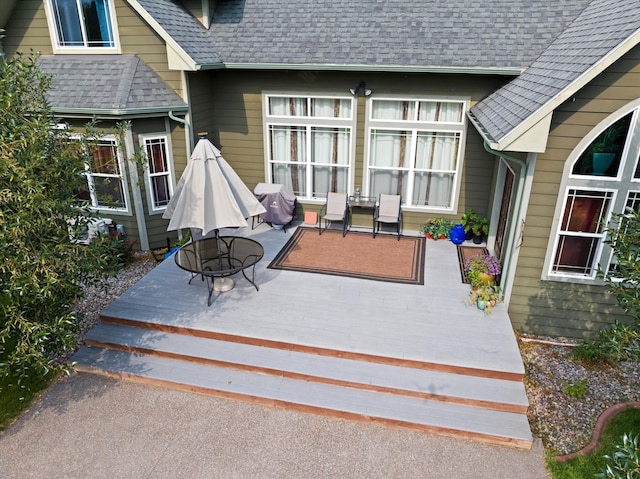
(505, 210)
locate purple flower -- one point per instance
(484, 263)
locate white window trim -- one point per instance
(123, 179)
(446, 127)
(53, 34)
(621, 184)
(269, 120)
(153, 210)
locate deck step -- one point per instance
(510, 429)
(469, 407)
(496, 394)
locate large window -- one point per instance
(158, 172)
(82, 23)
(309, 143)
(415, 150)
(106, 185)
(602, 180)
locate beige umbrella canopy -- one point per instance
(210, 195)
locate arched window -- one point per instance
(603, 179)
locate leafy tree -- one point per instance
(624, 280)
(42, 271)
(620, 341)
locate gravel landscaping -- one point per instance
(563, 422)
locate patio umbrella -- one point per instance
(210, 195)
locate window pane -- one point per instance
(105, 159)
(67, 20)
(330, 108)
(604, 155)
(393, 110)
(392, 182)
(288, 143)
(288, 106)
(97, 23)
(330, 145)
(83, 23)
(389, 148)
(433, 189)
(576, 254)
(109, 192)
(435, 111)
(291, 176)
(325, 179)
(156, 154)
(161, 195)
(437, 151)
(586, 211)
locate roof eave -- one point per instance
(547, 109)
(507, 71)
(185, 60)
(119, 112)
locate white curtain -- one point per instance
(330, 158)
(437, 153)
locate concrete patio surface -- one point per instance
(88, 426)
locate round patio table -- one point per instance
(220, 257)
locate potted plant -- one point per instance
(468, 219)
(437, 228)
(604, 149)
(486, 297)
(483, 269)
(480, 229)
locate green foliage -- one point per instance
(481, 227)
(619, 342)
(437, 228)
(590, 353)
(41, 270)
(624, 463)
(589, 465)
(468, 219)
(576, 390)
(490, 295)
(623, 235)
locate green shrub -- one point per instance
(624, 463)
(576, 390)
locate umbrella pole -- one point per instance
(222, 285)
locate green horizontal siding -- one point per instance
(554, 307)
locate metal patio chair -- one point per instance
(388, 211)
(335, 209)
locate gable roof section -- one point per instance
(106, 85)
(502, 36)
(185, 36)
(605, 31)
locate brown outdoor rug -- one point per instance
(466, 252)
(357, 255)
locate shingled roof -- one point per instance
(368, 34)
(600, 35)
(106, 84)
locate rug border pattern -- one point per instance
(417, 268)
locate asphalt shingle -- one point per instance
(106, 83)
(594, 34)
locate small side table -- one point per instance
(363, 203)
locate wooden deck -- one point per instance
(412, 356)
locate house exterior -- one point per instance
(451, 104)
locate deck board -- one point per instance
(430, 322)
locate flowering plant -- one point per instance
(483, 263)
(437, 227)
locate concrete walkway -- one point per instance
(87, 426)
